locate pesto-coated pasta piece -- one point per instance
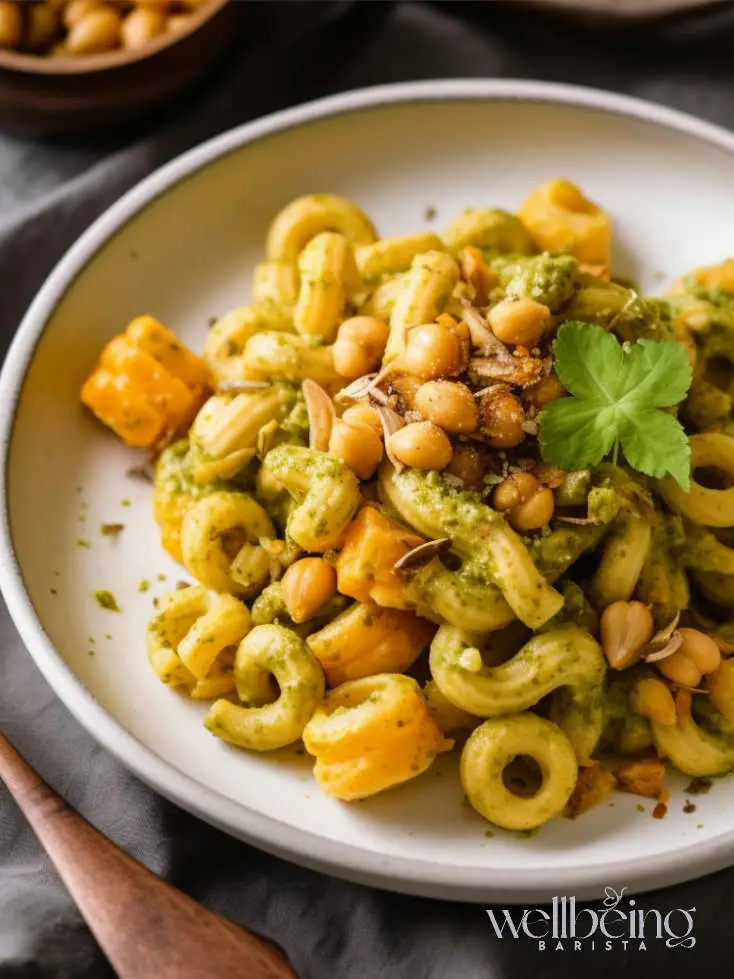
(566, 662)
(561, 219)
(269, 607)
(221, 538)
(328, 273)
(275, 282)
(325, 491)
(718, 588)
(480, 536)
(424, 293)
(223, 436)
(381, 301)
(493, 746)
(271, 716)
(693, 748)
(709, 507)
(447, 716)
(390, 255)
(371, 734)
(226, 340)
(281, 356)
(705, 552)
(191, 640)
(623, 557)
(304, 218)
(490, 229)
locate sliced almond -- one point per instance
(391, 423)
(422, 554)
(522, 371)
(321, 415)
(671, 646)
(266, 438)
(482, 337)
(580, 521)
(359, 388)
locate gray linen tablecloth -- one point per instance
(48, 195)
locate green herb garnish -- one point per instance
(617, 393)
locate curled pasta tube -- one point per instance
(226, 340)
(275, 282)
(425, 291)
(220, 537)
(566, 662)
(381, 301)
(492, 551)
(371, 734)
(491, 229)
(623, 557)
(447, 716)
(491, 748)
(705, 552)
(224, 434)
(305, 217)
(191, 640)
(280, 356)
(271, 718)
(718, 588)
(328, 272)
(325, 491)
(693, 749)
(390, 255)
(709, 507)
(560, 218)
(366, 639)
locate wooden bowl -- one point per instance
(42, 95)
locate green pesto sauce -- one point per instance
(106, 600)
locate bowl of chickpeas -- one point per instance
(81, 65)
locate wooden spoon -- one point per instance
(147, 929)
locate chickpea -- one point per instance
(680, 668)
(97, 31)
(534, 513)
(701, 649)
(406, 387)
(519, 321)
(359, 346)
(421, 445)
(358, 446)
(76, 9)
(625, 627)
(141, 26)
(42, 20)
(307, 585)
(178, 22)
(514, 490)
(477, 274)
(364, 414)
(501, 417)
(11, 25)
(448, 404)
(433, 351)
(468, 465)
(541, 394)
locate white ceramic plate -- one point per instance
(181, 246)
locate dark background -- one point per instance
(50, 192)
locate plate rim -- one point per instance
(396, 873)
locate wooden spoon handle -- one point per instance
(147, 929)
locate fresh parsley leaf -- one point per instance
(617, 393)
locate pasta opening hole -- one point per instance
(522, 776)
(712, 478)
(232, 541)
(451, 561)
